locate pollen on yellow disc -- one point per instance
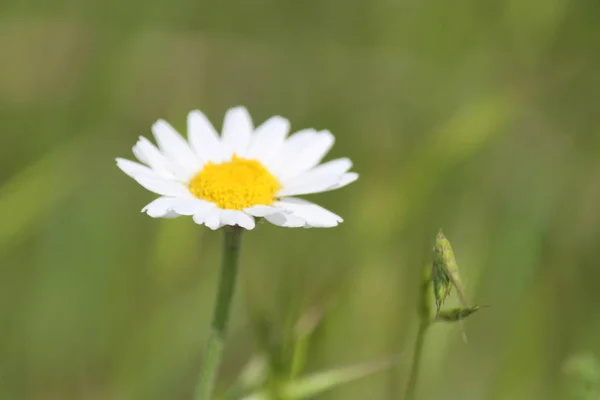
(236, 184)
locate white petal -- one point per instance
(203, 138)
(200, 218)
(320, 185)
(171, 215)
(237, 132)
(173, 206)
(268, 139)
(147, 153)
(192, 206)
(329, 176)
(313, 215)
(285, 220)
(160, 207)
(334, 168)
(228, 217)
(139, 154)
(245, 221)
(315, 186)
(132, 168)
(176, 148)
(263, 211)
(308, 156)
(346, 180)
(293, 145)
(213, 219)
(235, 217)
(162, 186)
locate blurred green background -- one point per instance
(478, 117)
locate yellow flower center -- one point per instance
(236, 184)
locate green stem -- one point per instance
(425, 311)
(411, 387)
(216, 340)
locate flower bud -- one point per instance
(445, 272)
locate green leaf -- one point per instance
(314, 384)
(254, 374)
(303, 331)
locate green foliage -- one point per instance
(273, 377)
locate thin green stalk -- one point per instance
(216, 340)
(411, 388)
(425, 311)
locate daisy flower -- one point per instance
(244, 173)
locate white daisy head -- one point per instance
(246, 172)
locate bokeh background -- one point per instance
(472, 116)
